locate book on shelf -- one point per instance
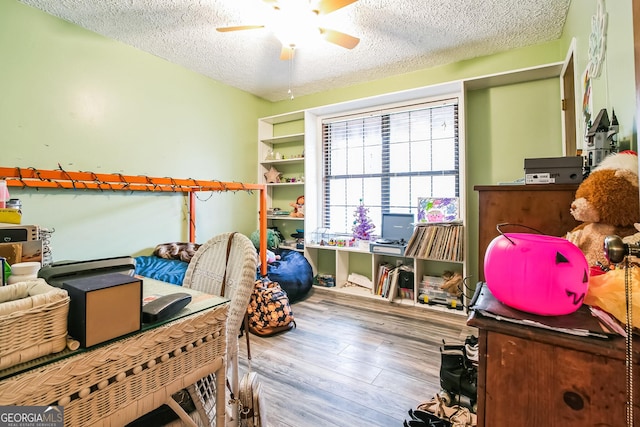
(388, 284)
(392, 287)
(383, 274)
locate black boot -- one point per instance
(458, 374)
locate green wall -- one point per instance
(74, 98)
(85, 102)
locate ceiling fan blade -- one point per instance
(286, 53)
(328, 6)
(239, 28)
(341, 39)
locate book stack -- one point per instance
(385, 277)
(389, 284)
(443, 241)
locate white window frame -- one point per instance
(313, 139)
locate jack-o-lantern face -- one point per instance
(535, 273)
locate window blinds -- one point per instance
(388, 158)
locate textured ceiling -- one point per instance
(396, 36)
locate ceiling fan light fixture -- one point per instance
(294, 23)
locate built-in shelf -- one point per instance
(283, 139)
(285, 217)
(282, 161)
(283, 184)
(340, 261)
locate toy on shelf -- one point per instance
(273, 175)
(298, 208)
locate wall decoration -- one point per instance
(598, 40)
(438, 209)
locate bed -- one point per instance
(292, 271)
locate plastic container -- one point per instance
(14, 204)
(23, 271)
(25, 268)
(4, 193)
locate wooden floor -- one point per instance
(352, 361)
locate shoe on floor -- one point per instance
(463, 417)
(428, 418)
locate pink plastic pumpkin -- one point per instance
(535, 273)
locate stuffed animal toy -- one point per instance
(298, 208)
(182, 251)
(452, 283)
(272, 257)
(607, 202)
(273, 239)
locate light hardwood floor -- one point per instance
(352, 361)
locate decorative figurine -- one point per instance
(273, 175)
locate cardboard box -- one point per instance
(10, 215)
(553, 170)
(103, 307)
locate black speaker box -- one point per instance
(103, 307)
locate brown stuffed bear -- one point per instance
(608, 203)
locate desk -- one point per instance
(116, 383)
(532, 377)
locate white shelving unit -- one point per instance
(281, 146)
(342, 261)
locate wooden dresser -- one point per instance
(544, 207)
(532, 377)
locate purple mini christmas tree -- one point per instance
(362, 225)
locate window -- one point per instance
(387, 159)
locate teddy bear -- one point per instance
(607, 202)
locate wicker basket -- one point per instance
(33, 321)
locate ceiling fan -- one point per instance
(293, 21)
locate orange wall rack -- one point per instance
(62, 179)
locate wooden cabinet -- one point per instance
(543, 207)
(534, 377)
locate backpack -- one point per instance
(269, 311)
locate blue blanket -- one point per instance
(166, 270)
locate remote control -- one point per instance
(164, 307)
